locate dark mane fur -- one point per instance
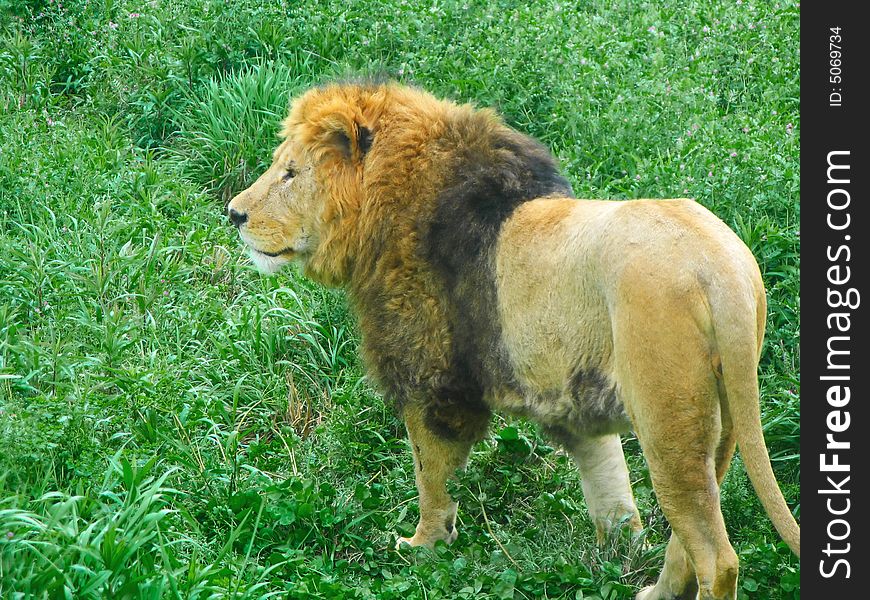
(491, 176)
(421, 214)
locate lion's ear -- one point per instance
(353, 140)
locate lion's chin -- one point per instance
(269, 264)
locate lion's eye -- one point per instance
(290, 173)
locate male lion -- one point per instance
(481, 284)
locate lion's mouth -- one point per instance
(270, 262)
(288, 250)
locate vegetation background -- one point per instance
(174, 425)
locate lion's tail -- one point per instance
(740, 375)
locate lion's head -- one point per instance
(364, 167)
(303, 205)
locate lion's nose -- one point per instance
(238, 218)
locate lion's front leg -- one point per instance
(435, 460)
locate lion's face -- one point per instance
(279, 216)
(305, 206)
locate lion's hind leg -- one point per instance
(673, 400)
(678, 578)
(699, 561)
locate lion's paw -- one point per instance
(649, 593)
(428, 542)
(409, 541)
(645, 593)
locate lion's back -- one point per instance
(569, 271)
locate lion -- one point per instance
(481, 284)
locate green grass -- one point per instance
(174, 425)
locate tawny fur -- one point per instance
(480, 284)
